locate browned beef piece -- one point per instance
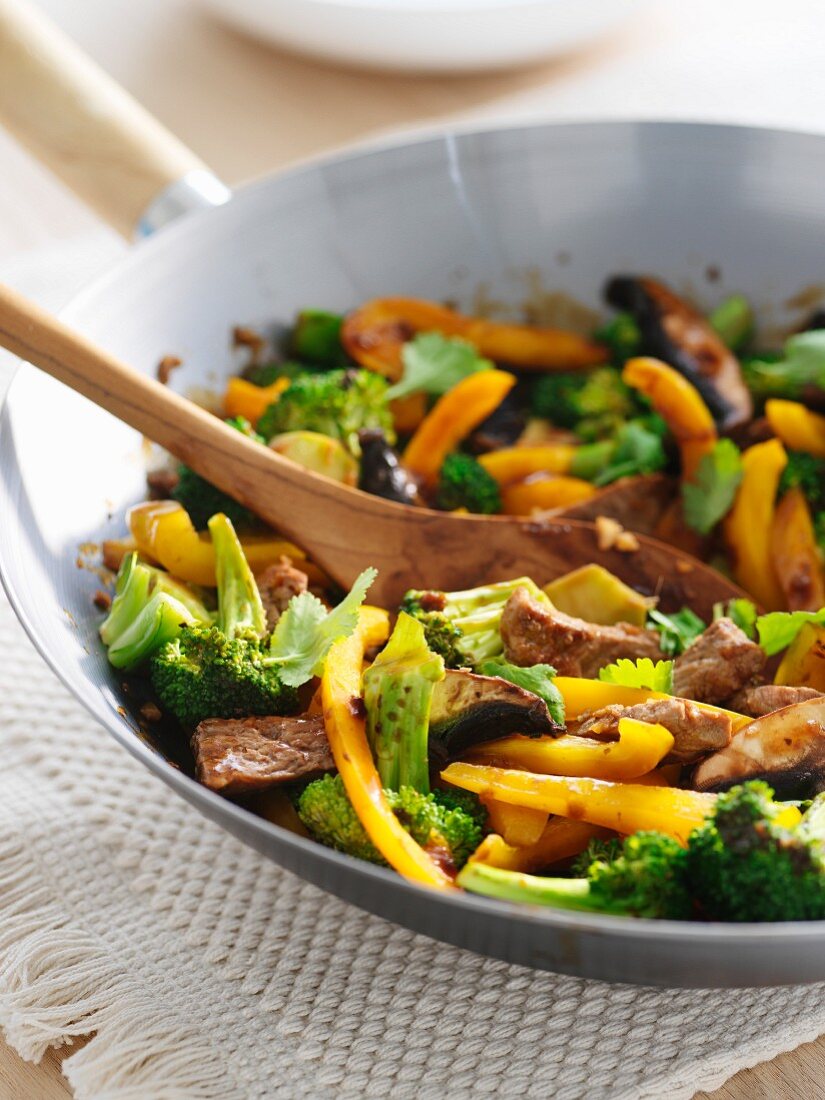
(278, 584)
(161, 483)
(696, 732)
(534, 634)
(233, 755)
(764, 699)
(722, 660)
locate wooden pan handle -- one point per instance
(75, 119)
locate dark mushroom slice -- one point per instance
(381, 473)
(468, 709)
(786, 748)
(504, 425)
(674, 331)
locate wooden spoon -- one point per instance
(343, 529)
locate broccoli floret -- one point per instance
(819, 529)
(437, 821)
(592, 404)
(604, 851)
(745, 865)
(264, 374)
(398, 691)
(806, 472)
(316, 338)
(338, 403)
(733, 321)
(475, 614)
(202, 499)
(464, 483)
(222, 671)
(647, 879)
(622, 336)
(637, 449)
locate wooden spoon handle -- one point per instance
(81, 123)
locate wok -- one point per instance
(432, 218)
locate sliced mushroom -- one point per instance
(468, 709)
(381, 472)
(786, 748)
(675, 332)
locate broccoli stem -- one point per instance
(562, 893)
(240, 607)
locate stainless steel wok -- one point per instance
(715, 208)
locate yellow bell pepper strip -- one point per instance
(164, 533)
(346, 730)
(542, 494)
(795, 554)
(748, 524)
(678, 403)
(453, 417)
(582, 695)
(797, 427)
(517, 463)
(804, 662)
(244, 399)
(625, 807)
(375, 333)
(562, 838)
(517, 825)
(641, 746)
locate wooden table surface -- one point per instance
(248, 109)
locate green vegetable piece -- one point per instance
(591, 459)
(593, 404)
(240, 608)
(711, 492)
(733, 321)
(316, 338)
(434, 363)
(306, 631)
(741, 612)
(398, 692)
(637, 449)
(159, 622)
(622, 335)
(535, 678)
(202, 499)
(264, 374)
(676, 631)
(819, 529)
(801, 367)
(647, 879)
(464, 483)
(642, 673)
(806, 472)
(778, 629)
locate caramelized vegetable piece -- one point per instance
(517, 463)
(804, 662)
(582, 696)
(452, 418)
(795, 554)
(516, 825)
(164, 533)
(797, 427)
(676, 333)
(242, 398)
(625, 807)
(595, 594)
(375, 334)
(680, 405)
(749, 523)
(544, 493)
(320, 453)
(641, 746)
(561, 839)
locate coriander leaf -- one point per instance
(536, 678)
(434, 364)
(638, 449)
(778, 629)
(640, 674)
(740, 611)
(801, 365)
(711, 492)
(677, 631)
(306, 631)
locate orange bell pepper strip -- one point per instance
(408, 412)
(641, 746)
(798, 427)
(517, 463)
(804, 662)
(452, 418)
(795, 554)
(346, 730)
(625, 807)
(542, 494)
(375, 333)
(164, 533)
(678, 403)
(748, 524)
(244, 399)
(582, 696)
(561, 839)
(517, 825)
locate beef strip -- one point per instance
(762, 699)
(535, 634)
(233, 755)
(696, 732)
(278, 584)
(720, 662)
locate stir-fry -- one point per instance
(556, 742)
(668, 422)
